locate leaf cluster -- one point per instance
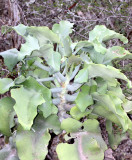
(63, 87)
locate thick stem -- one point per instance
(61, 107)
(41, 66)
(45, 79)
(75, 72)
(56, 90)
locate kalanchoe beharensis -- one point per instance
(63, 87)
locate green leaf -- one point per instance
(83, 100)
(85, 89)
(106, 72)
(93, 86)
(6, 119)
(43, 34)
(109, 106)
(30, 83)
(10, 58)
(44, 51)
(64, 28)
(102, 33)
(74, 59)
(5, 84)
(20, 29)
(99, 46)
(28, 47)
(65, 151)
(102, 86)
(47, 109)
(86, 146)
(114, 136)
(117, 91)
(70, 125)
(54, 60)
(113, 53)
(83, 44)
(76, 114)
(127, 106)
(95, 56)
(93, 129)
(26, 105)
(41, 124)
(82, 76)
(32, 145)
(91, 125)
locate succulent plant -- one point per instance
(63, 87)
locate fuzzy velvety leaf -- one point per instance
(95, 56)
(43, 34)
(82, 76)
(102, 33)
(5, 84)
(44, 51)
(74, 59)
(114, 136)
(26, 105)
(99, 47)
(32, 145)
(102, 86)
(10, 58)
(41, 124)
(127, 105)
(113, 53)
(85, 89)
(64, 28)
(70, 125)
(6, 111)
(88, 145)
(76, 114)
(20, 29)
(84, 44)
(92, 127)
(47, 109)
(109, 106)
(30, 83)
(106, 72)
(54, 60)
(117, 91)
(28, 47)
(83, 100)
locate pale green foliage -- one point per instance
(32, 145)
(70, 125)
(6, 118)
(26, 105)
(10, 58)
(5, 85)
(63, 87)
(88, 144)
